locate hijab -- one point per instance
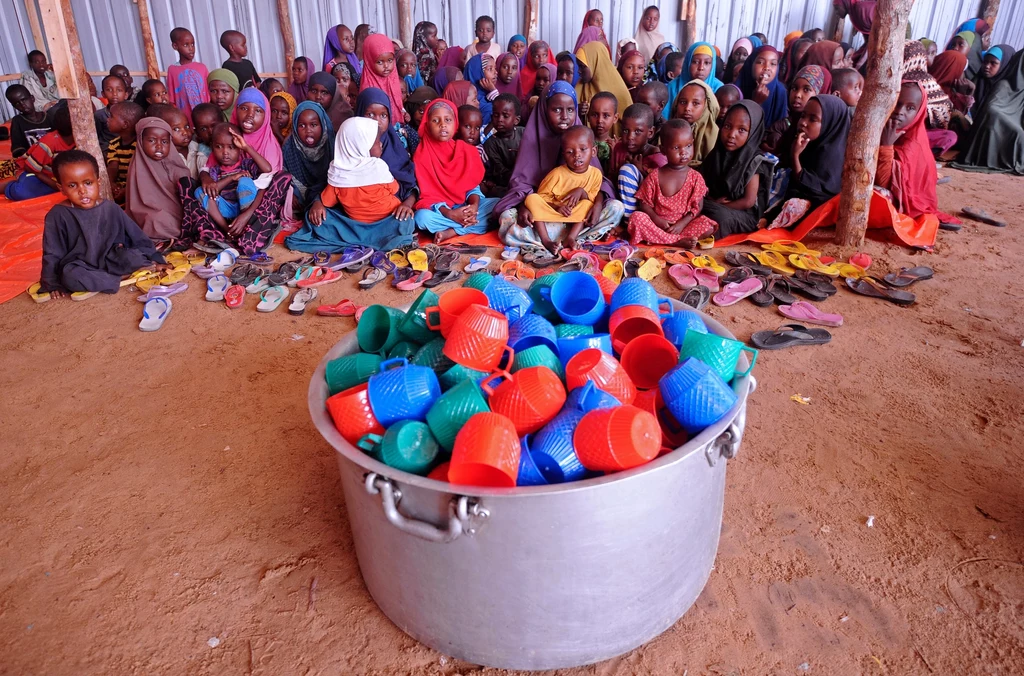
(861, 14)
(426, 59)
(373, 46)
(788, 67)
(309, 166)
(790, 36)
(299, 91)
(822, 159)
(705, 48)
(915, 68)
(393, 152)
(913, 171)
(353, 166)
(971, 31)
(414, 81)
(292, 103)
(948, 66)
(647, 41)
(514, 39)
(745, 43)
(592, 34)
(605, 77)
(451, 57)
(705, 128)
(474, 73)
(152, 200)
(513, 86)
(445, 171)
(458, 92)
(819, 78)
(776, 106)
(527, 72)
(262, 140)
(755, 42)
(332, 50)
(445, 76)
(983, 85)
(820, 54)
(340, 110)
(727, 172)
(230, 79)
(575, 69)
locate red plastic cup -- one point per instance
(352, 415)
(631, 321)
(601, 368)
(647, 400)
(440, 473)
(647, 358)
(450, 305)
(614, 439)
(479, 339)
(607, 285)
(530, 399)
(486, 453)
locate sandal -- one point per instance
(36, 295)
(138, 276)
(614, 271)
(154, 314)
(352, 257)
(445, 260)
(763, 298)
(789, 246)
(414, 282)
(465, 249)
(908, 276)
(749, 260)
(734, 292)
(245, 274)
(513, 270)
(706, 243)
(678, 257)
(443, 277)
(418, 260)
(682, 275)
(873, 288)
(271, 298)
(319, 277)
(300, 301)
(632, 266)
(234, 296)
(805, 312)
(216, 287)
(738, 274)
(510, 253)
(344, 308)
(822, 283)
(789, 335)
(776, 261)
(709, 262)
(780, 288)
(651, 268)
(476, 264)
(851, 271)
(697, 297)
(812, 263)
(808, 289)
(397, 256)
(983, 216)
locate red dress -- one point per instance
(687, 200)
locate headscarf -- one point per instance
(514, 39)
(924, 41)
(230, 79)
(776, 106)
(353, 166)
(575, 69)
(861, 14)
(985, 85)
(913, 171)
(967, 37)
(647, 41)
(299, 91)
(726, 172)
(458, 92)
(915, 69)
(707, 49)
(332, 49)
(527, 72)
(445, 172)
(974, 28)
(513, 86)
(820, 54)
(592, 34)
(373, 46)
(705, 127)
(755, 43)
(393, 152)
(426, 59)
(152, 200)
(445, 76)
(746, 44)
(996, 143)
(948, 66)
(822, 160)
(261, 140)
(605, 77)
(629, 53)
(474, 72)
(292, 103)
(340, 109)
(309, 166)
(423, 95)
(451, 57)
(414, 81)
(792, 35)
(819, 78)
(788, 65)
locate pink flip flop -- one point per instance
(810, 314)
(415, 282)
(707, 277)
(683, 275)
(734, 292)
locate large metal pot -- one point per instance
(538, 577)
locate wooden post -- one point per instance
(404, 23)
(881, 87)
(287, 37)
(989, 10)
(532, 21)
(33, 22)
(690, 19)
(72, 80)
(837, 28)
(152, 65)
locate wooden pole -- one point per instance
(287, 37)
(72, 80)
(881, 87)
(152, 65)
(837, 27)
(404, 23)
(33, 22)
(690, 7)
(532, 21)
(989, 11)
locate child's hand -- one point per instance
(162, 267)
(209, 185)
(583, 109)
(525, 217)
(402, 212)
(890, 133)
(238, 140)
(236, 227)
(573, 198)
(800, 144)
(317, 213)
(761, 94)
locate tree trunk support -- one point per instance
(152, 65)
(287, 37)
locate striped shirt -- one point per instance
(40, 156)
(123, 156)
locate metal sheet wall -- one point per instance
(15, 43)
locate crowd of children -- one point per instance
(551, 149)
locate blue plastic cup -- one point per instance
(553, 451)
(568, 347)
(530, 331)
(677, 324)
(638, 291)
(577, 298)
(590, 398)
(695, 395)
(529, 473)
(508, 299)
(402, 391)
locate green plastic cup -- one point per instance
(458, 373)
(543, 307)
(414, 324)
(721, 354)
(453, 409)
(354, 369)
(407, 445)
(572, 330)
(405, 349)
(377, 331)
(538, 355)
(432, 355)
(478, 280)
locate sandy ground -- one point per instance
(159, 490)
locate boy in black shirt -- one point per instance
(234, 44)
(29, 125)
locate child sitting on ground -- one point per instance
(471, 121)
(89, 244)
(36, 178)
(727, 96)
(568, 193)
(186, 79)
(670, 199)
(205, 117)
(271, 86)
(152, 93)
(152, 200)
(502, 148)
(181, 128)
(602, 117)
(634, 156)
(696, 104)
(655, 95)
(416, 104)
(29, 125)
(123, 118)
(282, 107)
(848, 85)
(126, 77)
(234, 44)
(114, 91)
(228, 187)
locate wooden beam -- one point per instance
(152, 65)
(33, 22)
(690, 7)
(287, 37)
(405, 23)
(837, 22)
(989, 11)
(72, 80)
(881, 87)
(531, 28)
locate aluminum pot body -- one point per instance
(538, 577)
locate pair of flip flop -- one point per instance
(891, 286)
(220, 288)
(44, 296)
(686, 276)
(789, 335)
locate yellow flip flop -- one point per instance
(789, 246)
(417, 259)
(706, 243)
(138, 276)
(776, 261)
(174, 275)
(37, 295)
(651, 268)
(812, 263)
(176, 258)
(850, 271)
(83, 295)
(195, 258)
(614, 271)
(707, 261)
(398, 257)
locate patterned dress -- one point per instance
(687, 200)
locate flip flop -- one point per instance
(414, 282)
(697, 297)
(738, 274)
(763, 298)
(510, 253)
(622, 252)
(707, 277)
(321, 258)
(812, 263)
(908, 276)
(300, 301)
(259, 285)
(779, 288)
(303, 272)
(272, 298)
(478, 263)
(808, 289)
(398, 257)
(678, 257)
(216, 287)
(465, 249)
(417, 259)
(709, 262)
(776, 261)
(871, 287)
(747, 259)
(822, 283)
(204, 272)
(352, 257)
(706, 243)
(245, 274)
(632, 267)
(443, 277)
(83, 295)
(345, 308)
(445, 260)
(682, 275)
(655, 252)
(851, 271)
(371, 277)
(224, 260)
(140, 275)
(983, 216)
(614, 270)
(163, 291)
(36, 295)
(234, 296)
(319, 277)
(789, 246)
(515, 270)
(734, 292)
(155, 313)
(810, 314)
(789, 335)
(651, 268)
(544, 259)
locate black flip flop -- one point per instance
(465, 249)
(983, 216)
(443, 277)
(821, 282)
(748, 260)
(737, 274)
(789, 335)
(908, 276)
(761, 297)
(632, 267)
(807, 289)
(696, 297)
(871, 287)
(779, 288)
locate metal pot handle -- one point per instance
(728, 442)
(464, 512)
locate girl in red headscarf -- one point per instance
(381, 71)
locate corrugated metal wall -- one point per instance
(720, 23)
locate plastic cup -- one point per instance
(508, 299)
(403, 349)
(696, 395)
(402, 391)
(407, 446)
(377, 331)
(637, 291)
(479, 339)
(458, 374)
(631, 321)
(553, 451)
(440, 473)
(347, 372)
(530, 331)
(529, 474)
(352, 415)
(537, 356)
(432, 356)
(589, 398)
(530, 398)
(608, 285)
(413, 325)
(577, 297)
(570, 330)
(570, 347)
(478, 280)
(721, 354)
(541, 306)
(449, 306)
(647, 358)
(614, 439)
(486, 453)
(677, 324)
(453, 409)
(601, 368)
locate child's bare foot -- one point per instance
(687, 243)
(444, 235)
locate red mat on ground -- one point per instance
(21, 243)
(489, 238)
